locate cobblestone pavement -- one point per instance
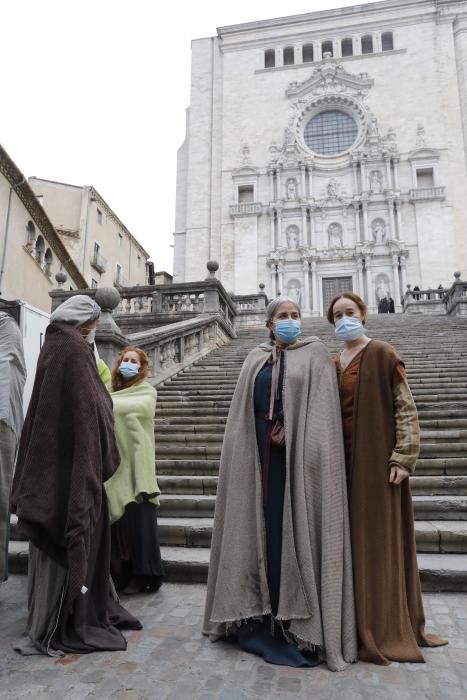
(170, 660)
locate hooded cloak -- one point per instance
(76, 310)
(316, 602)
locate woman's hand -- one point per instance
(397, 474)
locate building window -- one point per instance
(39, 249)
(330, 132)
(93, 283)
(99, 216)
(30, 234)
(120, 240)
(307, 53)
(48, 260)
(387, 41)
(367, 44)
(269, 58)
(97, 249)
(327, 47)
(289, 56)
(347, 47)
(425, 177)
(245, 194)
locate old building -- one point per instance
(327, 151)
(103, 249)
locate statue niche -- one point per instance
(335, 236)
(292, 237)
(378, 228)
(376, 182)
(294, 291)
(291, 189)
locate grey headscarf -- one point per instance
(12, 373)
(76, 310)
(275, 303)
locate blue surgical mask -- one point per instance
(348, 328)
(287, 330)
(128, 370)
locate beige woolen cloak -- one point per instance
(316, 591)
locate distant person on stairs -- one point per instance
(280, 574)
(12, 380)
(382, 442)
(132, 492)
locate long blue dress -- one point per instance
(266, 638)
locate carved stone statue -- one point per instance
(382, 289)
(294, 292)
(421, 136)
(375, 182)
(332, 188)
(335, 236)
(292, 237)
(291, 189)
(379, 232)
(373, 126)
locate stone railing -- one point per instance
(452, 301)
(427, 193)
(251, 309)
(246, 209)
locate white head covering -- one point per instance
(76, 310)
(12, 373)
(275, 303)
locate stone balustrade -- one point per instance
(427, 193)
(246, 209)
(452, 301)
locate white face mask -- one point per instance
(91, 336)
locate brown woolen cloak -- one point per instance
(390, 617)
(316, 590)
(67, 450)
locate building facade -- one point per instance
(327, 152)
(103, 249)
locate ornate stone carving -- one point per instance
(292, 237)
(335, 237)
(291, 188)
(378, 229)
(376, 182)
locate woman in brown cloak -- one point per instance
(381, 439)
(280, 577)
(67, 450)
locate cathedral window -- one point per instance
(425, 177)
(269, 58)
(289, 56)
(245, 194)
(330, 132)
(327, 47)
(367, 44)
(347, 47)
(387, 41)
(307, 53)
(30, 233)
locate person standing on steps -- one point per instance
(67, 450)
(382, 442)
(280, 574)
(133, 492)
(12, 380)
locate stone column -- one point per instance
(310, 180)
(303, 236)
(388, 173)
(399, 235)
(366, 236)
(273, 232)
(271, 185)
(336, 48)
(314, 283)
(281, 242)
(306, 286)
(358, 229)
(298, 53)
(376, 42)
(370, 296)
(317, 53)
(361, 288)
(397, 288)
(303, 175)
(279, 57)
(312, 226)
(403, 273)
(355, 178)
(357, 45)
(363, 174)
(395, 162)
(280, 270)
(391, 218)
(273, 281)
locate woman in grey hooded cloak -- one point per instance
(295, 581)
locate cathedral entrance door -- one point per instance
(333, 286)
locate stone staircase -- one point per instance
(191, 414)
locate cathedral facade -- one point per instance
(327, 152)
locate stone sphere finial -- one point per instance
(61, 278)
(212, 266)
(108, 298)
(457, 275)
(408, 286)
(262, 287)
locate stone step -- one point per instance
(181, 438)
(444, 449)
(440, 507)
(188, 485)
(450, 466)
(187, 506)
(447, 436)
(184, 452)
(439, 485)
(442, 423)
(187, 421)
(163, 428)
(187, 467)
(438, 572)
(164, 411)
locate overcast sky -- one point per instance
(94, 92)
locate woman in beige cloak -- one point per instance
(280, 577)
